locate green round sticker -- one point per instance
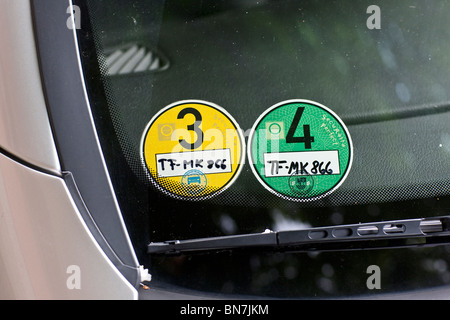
(300, 150)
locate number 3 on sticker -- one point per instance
(193, 127)
(192, 150)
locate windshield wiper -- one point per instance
(385, 234)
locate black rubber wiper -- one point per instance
(385, 234)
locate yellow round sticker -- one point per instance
(193, 149)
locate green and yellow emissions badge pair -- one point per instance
(298, 149)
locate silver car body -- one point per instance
(44, 242)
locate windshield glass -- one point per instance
(204, 108)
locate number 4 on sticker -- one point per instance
(307, 139)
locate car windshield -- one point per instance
(235, 74)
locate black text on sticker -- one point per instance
(208, 162)
(285, 164)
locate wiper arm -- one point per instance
(396, 233)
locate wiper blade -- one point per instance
(385, 234)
